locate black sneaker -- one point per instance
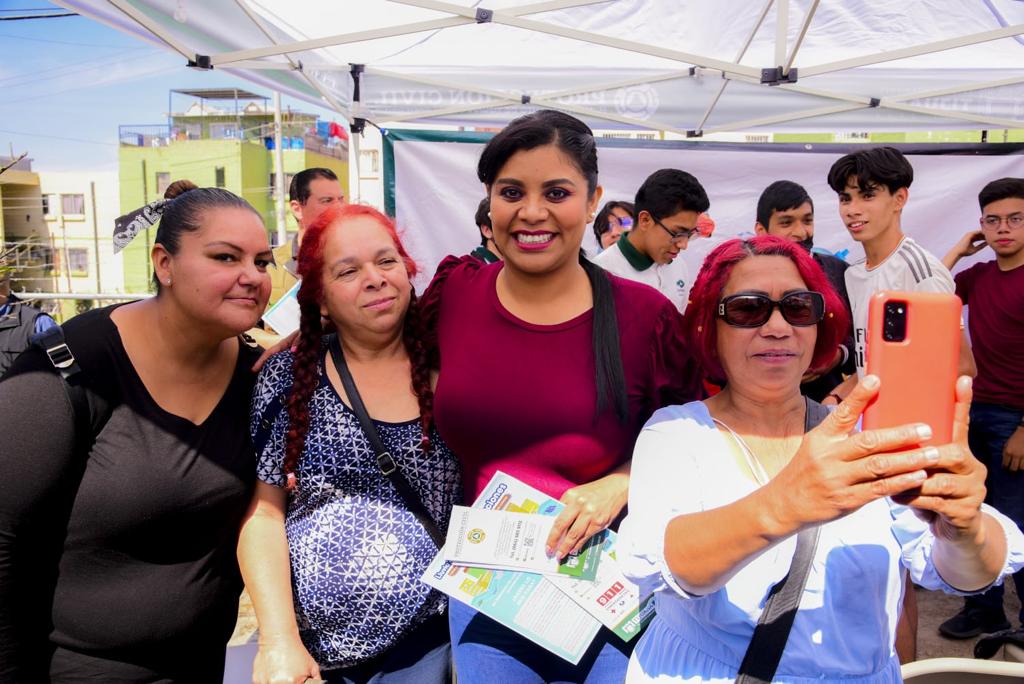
(972, 622)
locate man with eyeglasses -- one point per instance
(667, 207)
(993, 292)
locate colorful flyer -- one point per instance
(507, 540)
(559, 613)
(284, 315)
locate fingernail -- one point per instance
(871, 381)
(917, 476)
(931, 455)
(924, 431)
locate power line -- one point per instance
(66, 42)
(56, 137)
(39, 16)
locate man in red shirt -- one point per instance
(994, 294)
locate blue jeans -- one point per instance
(488, 653)
(991, 427)
(422, 657)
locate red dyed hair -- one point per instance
(702, 311)
(306, 365)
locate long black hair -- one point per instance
(576, 140)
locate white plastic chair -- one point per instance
(962, 671)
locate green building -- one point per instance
(222, 139)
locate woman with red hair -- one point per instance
(331, 550)
(727, 492)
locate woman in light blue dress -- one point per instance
(720, 488)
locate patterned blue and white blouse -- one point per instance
(356, 552)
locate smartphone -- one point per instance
(913, 345)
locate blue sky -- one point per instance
(67, 83)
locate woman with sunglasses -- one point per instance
(722, 489)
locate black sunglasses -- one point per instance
(752, 310)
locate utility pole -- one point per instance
(279, 172)
(95, 235)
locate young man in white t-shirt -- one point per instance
(873, 185)
(667, 207)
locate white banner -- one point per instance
(437, 192)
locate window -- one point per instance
(163, 179)
(78, 261)
(73, 205)
(287, 183)
(49, 206)
(218, 175)
(369, 163)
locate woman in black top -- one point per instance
(117, 563)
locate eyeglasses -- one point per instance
(687, 233)
(625, 222)
(751, 310)
(992, 222)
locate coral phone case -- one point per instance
(919, 372)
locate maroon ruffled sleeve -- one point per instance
(430, 302)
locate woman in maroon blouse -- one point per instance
(549, 367)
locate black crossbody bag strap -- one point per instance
(772, 631)
(385, 461)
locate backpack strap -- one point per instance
(51, 341)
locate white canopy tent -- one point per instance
(687, 66)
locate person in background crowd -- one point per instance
(721, 488)
(994, 294)
(117, 535)
(574, 361)
(311, 192)
(486, 251)
(668, 205)
(330, 552)
(787, 211)
(18, 321)
(614, 219)
(873, 186)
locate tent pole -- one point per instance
(739, 56)
(781, 31)
(991, 121)
(153, 28)
(782, 118)
(800, 38)
(512, 19)
(386, 32)
(296, 66)
(904, 53)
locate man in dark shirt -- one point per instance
(993, 292)
(18, 321)
(787, 211)
(486, 252)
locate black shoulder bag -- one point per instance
(385, 461)
(772, 631)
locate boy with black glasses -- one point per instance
(994, 294)
(667, 208)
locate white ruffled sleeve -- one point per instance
(665, 482)
(917, 542)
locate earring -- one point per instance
(489, 215)
(168, 281)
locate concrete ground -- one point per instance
(933, 608)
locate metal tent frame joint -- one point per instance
(874, 102)
(484, 16)
(200, 62)
(774, 76)
(525, 99)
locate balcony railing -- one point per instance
(297, 135)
